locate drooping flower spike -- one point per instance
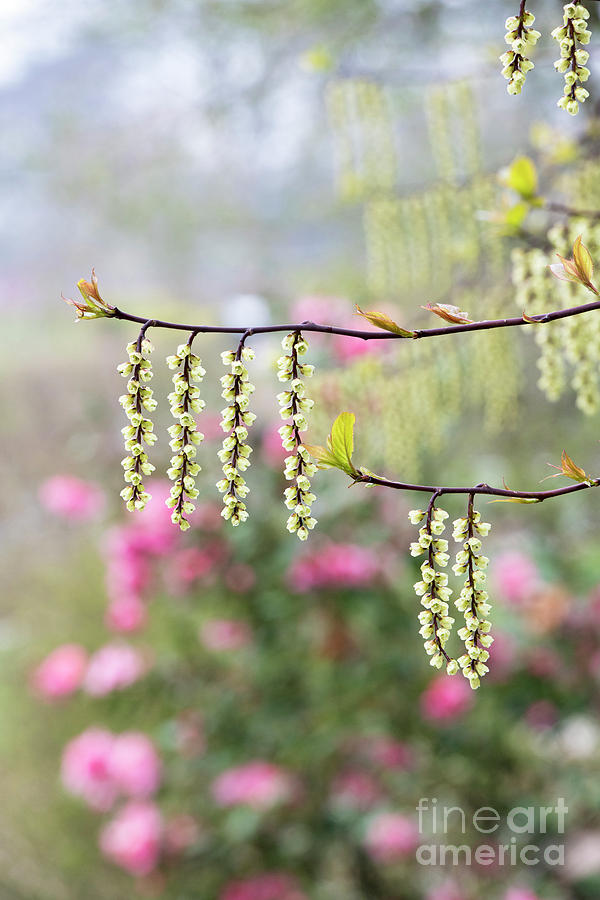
(137, 402)
(433, 590)
(293, 407)
(571, 36)
(473, 598)
(235, 453)
(520, 37)
(185, 403)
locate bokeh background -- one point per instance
(231, 714)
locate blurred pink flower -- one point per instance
(385, 752)
(132, 839)
(520, 894)
(541, 715)
(270, 886)
(258, 784)
(323, 309)
(339, 565)
(503, 657)
(134, 765)
(354, 789)
(346, 348)
(391, 836)
(127, 613)
(271, 449)
(192, 564)
(446, 891)
(544, 662)
(225, 634)
(240, 578)
(113, 667)
(85, 768)
(181, 832)
(61, 673)
(446, 698)
(516, 576)
(72, 498)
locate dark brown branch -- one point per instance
(567, 210)
(538, 496)
(484, 325)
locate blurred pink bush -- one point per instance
(71, 498)
(390, 837)
(61, 673)
(446, 698)
(132, 839)
(258, 784)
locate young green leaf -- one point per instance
(521, 177)
(340, 447)
(381, 320)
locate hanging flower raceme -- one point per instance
(185, 402)
(294, 406)
(573, 33)
(433, 590)
(521, 38)
(472, 600)
(235, 453)
(136, 402)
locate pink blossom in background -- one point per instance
(225, 634)
(271, 449)
(113, 667)
(180, 833)
(85, 768)
(520, 894)
(240, 578)
(390, 837)
(354, 789)
(347, 348)
(321, 308)
(133, 838)
(193, 564)
(126, 614)
(211, 426)
(541, 715)
(385, 752)
(446, 891)
(544, 662)
(503, 657)
(189, 734)
(334, 565)
(71, 498)
(270, 886)
(515, 575)
(134, 765)
(61, 673)
(258, 784)
(446, 698)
